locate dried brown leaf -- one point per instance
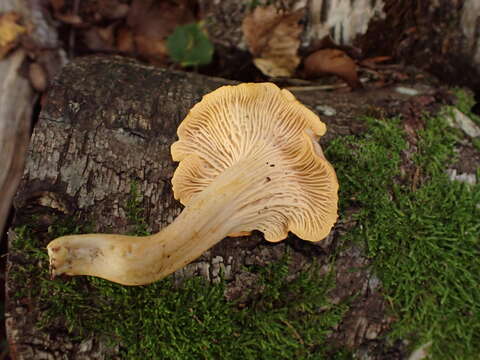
(71, 19)
(125, 41)
(257, 28)
(273, 38)
(100, 38)
(57, 5)
(10, 31)
(152, 22)
(158, 19)
(112, 9)
(277, 67)
(155, 51)
(38, 76)
(373, 61)
(332, 61)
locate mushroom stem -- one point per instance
(132, 260)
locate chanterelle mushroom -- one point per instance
(249, 160)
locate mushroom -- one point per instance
(249, 160)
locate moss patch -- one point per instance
(289, 319)
(424, 241)
(422, 237)
(464, 103)
(135, 212)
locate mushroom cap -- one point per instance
(294, 188)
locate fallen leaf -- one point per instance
(37, 76)
(273, 38)
(154, 51)
(277, 67)
(258, 26)
(112, 9)
(124, 41)
(152, 22)
(100, 38)
(373, 61)
(326, 42)
(332, 61)
(157, 20)
(190, 46)
(10, 32)
(70, 19)
(57, 5)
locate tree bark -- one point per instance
(17, 97)
(108, 123)
(442, 37)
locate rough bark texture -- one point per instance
(17, 98)
(109, 122)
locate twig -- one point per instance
(295, 332)
(316, 87)
(322, 87)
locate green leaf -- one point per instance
(190, 46)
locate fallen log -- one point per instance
(103, 136)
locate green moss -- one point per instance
(464, 103)
(476, 144)
(135, 212)
(424, 241)
(289, 319)
(422, 236)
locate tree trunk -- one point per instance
(108, 123)
(440, 36)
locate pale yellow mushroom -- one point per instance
(249, 160)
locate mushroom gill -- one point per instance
(249, 160)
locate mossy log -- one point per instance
(105, 129)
